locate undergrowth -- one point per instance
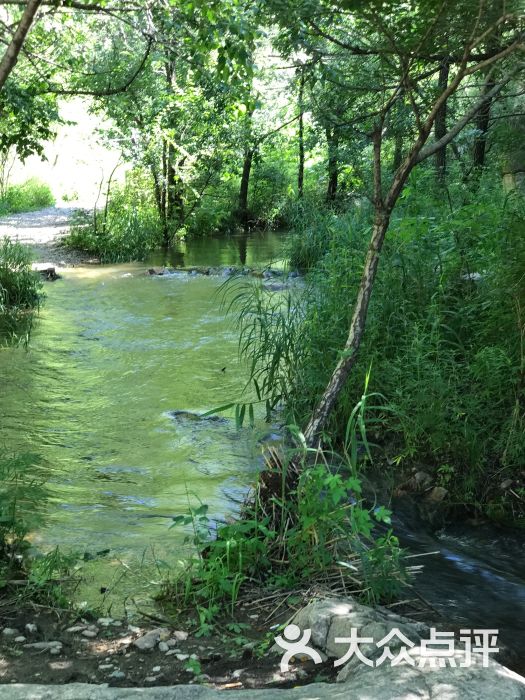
(20, 291)
(445, 337)
(126, 228)
(31, 195)
(312, 530)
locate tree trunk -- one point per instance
(333, 165)
(243, 213)
(300, 171)
(482, 122)
(440, 126)
(355, 335)
(174, 193)
(514, 162)
(398, 152)
(12, 52)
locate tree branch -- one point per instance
(10, 58)
(109, 91)
(451, 134)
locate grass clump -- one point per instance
(31, 195)
(20, 290)
(128, 227)
(24, 578)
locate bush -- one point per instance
(20, 290)
(29, 196)
(127, 229)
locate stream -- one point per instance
(114, 356)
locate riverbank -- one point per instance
(131, 658)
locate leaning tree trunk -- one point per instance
(357, 327)
(12, 52)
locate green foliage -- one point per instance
(444, 337)
(128, 228)
(23, 497)
(28, 196)
(28, 119)
(20, 290)
(299, 536)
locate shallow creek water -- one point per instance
(113, 354)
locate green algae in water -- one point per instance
(113, 355)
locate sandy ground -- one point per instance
(42, 230)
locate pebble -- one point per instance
(91, 634)
(182, 657)
(149, 640)
(10, 632)
(180, 636)
(203, 678)
(150, 679)
(172, 642)
(105, 667)
(31, 628)
(155, 669)
(118, 675)
(76, 628)
(20, 638)
(44, 645)
(163, 646)
(105, 621)
(55, 651)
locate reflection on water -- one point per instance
(114, 353)
(248, 249)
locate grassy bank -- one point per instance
(20, 292)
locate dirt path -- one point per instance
(42, 230)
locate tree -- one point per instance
(406, 46)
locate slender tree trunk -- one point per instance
(514, 162)
(398, 151)
(164, 188)
(12, 52)
(440, 126)
(243, 213)
(333, 164)
(482, 122)
(300, 171)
